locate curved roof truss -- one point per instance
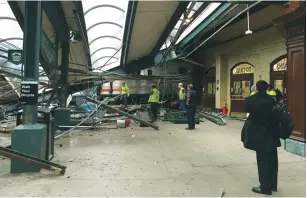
(10, 39)
(103, 48)
(102, 6)
(8, 18)
(103, 23)
(101, 37)
(111, 57)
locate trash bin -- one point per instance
(44, 117)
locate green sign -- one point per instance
(15, 56)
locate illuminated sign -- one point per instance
(281, 65)
(243, 69)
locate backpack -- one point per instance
(283, 121)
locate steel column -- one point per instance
(32, 39)
(64, 73)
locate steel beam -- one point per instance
(64, 73)
(55, 13)
(181, 8)
(46, 53)
(81, 22)
(217, 12)
(131, 11)
(254, 10)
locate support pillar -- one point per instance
(62, 114)
(221, 82)
(30, 137)
(197, 81)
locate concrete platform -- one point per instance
(144, 162)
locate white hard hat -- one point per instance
(180, 84)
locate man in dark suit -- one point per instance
(258, 136)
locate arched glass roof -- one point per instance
(11, 37)
(105, 23)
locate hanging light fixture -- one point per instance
(248, 31)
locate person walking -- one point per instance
(257, 135)
(191, 107)
(125, 93)
(154, 102)
(181, 96)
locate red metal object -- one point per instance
(224, 110)
(127, 122)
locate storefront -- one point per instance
(241, 80)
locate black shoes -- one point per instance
(189, 128)
(261, 191)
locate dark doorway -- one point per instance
(278, 75)
(241, 81)
(209, 87)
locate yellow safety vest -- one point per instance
(181, 94)
(155, 96)
(253, 93)
(125, 89)
(271, 92)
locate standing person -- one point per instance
(181, 96)
(191, 107)
(257, 136)
(125, 93)
(271, 91)
(154, 102)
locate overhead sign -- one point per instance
(281, 65)
(29, 92)
(15, 56)
(243, 69)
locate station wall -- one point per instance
(258, 49)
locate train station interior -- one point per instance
(92, 100)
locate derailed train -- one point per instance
(165, 77)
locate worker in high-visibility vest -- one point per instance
(125, 93)
(271, 91)
(181, 96)
(154, 102)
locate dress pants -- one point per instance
(154, 110)
(267, 163)
(191, 110)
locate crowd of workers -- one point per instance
(187, 102)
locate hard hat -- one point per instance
(180, 84)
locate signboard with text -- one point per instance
(281, 65)
(243, 69)
(29, 93)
